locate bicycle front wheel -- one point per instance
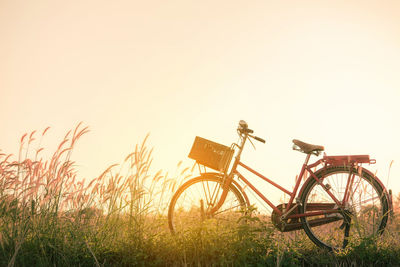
(191, 205)
(364, 212)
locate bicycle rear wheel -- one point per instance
(364, 215)
(191, 205)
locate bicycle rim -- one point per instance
(191, 205)
(363, 216)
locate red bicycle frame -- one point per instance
(290, 206)
(351, 160)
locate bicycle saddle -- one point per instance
(307, 148)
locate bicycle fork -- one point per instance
(229, 178)
(225, 190)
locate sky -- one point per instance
(324, 72)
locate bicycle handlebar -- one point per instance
(243, 129)
(259, 139)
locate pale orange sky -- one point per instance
(326, 72)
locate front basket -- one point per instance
(211, 154)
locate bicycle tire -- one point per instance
(185, 212)
(364, 216)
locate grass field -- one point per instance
(49, 217)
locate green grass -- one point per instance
(49, 218)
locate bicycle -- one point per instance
(339, 201)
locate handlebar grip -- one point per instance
(259, 139)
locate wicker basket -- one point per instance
(211, 154)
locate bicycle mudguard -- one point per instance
(385, 190)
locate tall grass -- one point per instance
(46, 211)
(51, 217)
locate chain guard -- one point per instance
(292, 224)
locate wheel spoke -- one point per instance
(191, 204)
(364, 208)
(225, 210)
(205, 191)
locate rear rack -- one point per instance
(347, 159)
